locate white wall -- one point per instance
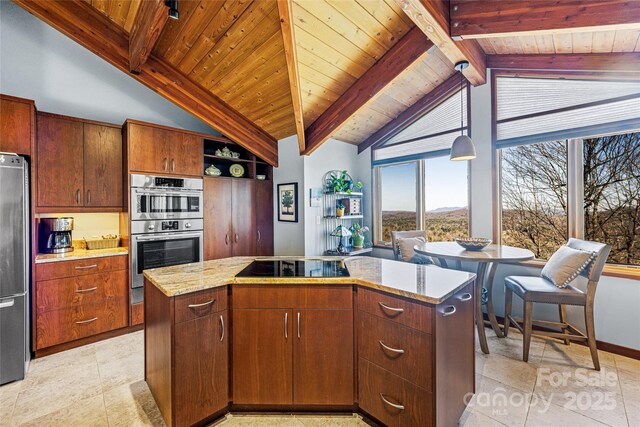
(289, 237)
(39, 63)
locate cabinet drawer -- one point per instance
(60, 326)
(414, 405)
(60, 269)
(412, 314)
(408, 353)
(74, 291)
(293, 296)
(198, 304)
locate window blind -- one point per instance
(541, 109)
(432, 134)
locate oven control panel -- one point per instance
(170, 225)
(166, 226)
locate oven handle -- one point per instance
(167, 237)
(172, 192)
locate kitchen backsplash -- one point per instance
(86, 225)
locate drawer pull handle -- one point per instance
(226, 239)
(465, 297)
(84, 291)
(393, 405)
(82, 322)
(386, 307)
(202, 304)
(449, 311)
(222, 326)
(286, 325)
(85, 267)
(394, 350)
(298, 325)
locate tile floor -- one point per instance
(102, 385)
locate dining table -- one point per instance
(487, 259)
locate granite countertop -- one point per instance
(427, 283)
(80, 254)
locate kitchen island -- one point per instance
(394, 341)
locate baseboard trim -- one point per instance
(601, 345)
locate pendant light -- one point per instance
(173, 9)
(462, 147)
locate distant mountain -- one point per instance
(446, 209)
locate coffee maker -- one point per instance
(55, 235)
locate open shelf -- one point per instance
(345, 216)
(252, 165)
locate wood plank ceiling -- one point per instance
(235, 50)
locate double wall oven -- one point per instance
(166, 225)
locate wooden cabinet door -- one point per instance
(60, 170)
(15, 126)
(186, 154)
(148, 149)
(244, 227)
(262, 353)
(217, 218)
(323, 370)
(201, 368)
(102, 166)
(264, 218)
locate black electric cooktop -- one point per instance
(284, 268)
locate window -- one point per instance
(570, 162)
(534, 197)
(437, 187)
(612, 194)
(446, 199)
(397, 198)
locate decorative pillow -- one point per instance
(565, 265)
(405, 247)
(421, 259)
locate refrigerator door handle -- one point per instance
(7, 303)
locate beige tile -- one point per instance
(515, 372)
(8, 395)
(132, 405)
(554, 415)
(50, 391)
(88, 412)
(471, 418)
(120, 347)
(630, 387)
(594, 394)
(123, 370)
(76, 358)
(575, 355)
(502, 403)
(511, 346)
(628, 364)
(332, 420)
(261, 421)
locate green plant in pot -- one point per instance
(339, 209)
(357, 235)
(340, 182)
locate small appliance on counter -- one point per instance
(55, 235)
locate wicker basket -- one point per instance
(102, 243)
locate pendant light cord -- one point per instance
(461, 107)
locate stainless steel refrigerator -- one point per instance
(14, 267)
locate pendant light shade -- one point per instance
(462, 147)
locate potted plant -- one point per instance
(340, 183)
(339, 209)
(357, 235)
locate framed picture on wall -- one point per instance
(288, 202)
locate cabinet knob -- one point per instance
(187, 225)
(151, 227)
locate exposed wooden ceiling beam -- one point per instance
(291, 53)
(495, 18)
(600, 62)
(147, 26)
(94, 31)
(413, 113)
(409, 49)
(432, 17)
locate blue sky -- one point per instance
(445, 185)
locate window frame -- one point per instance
(575, 160)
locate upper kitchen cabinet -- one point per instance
(163, 151)
(17, 125)
(79, 165)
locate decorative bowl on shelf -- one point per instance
(473, 243)
(236, 170)
(212, 171)
(261, 177)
